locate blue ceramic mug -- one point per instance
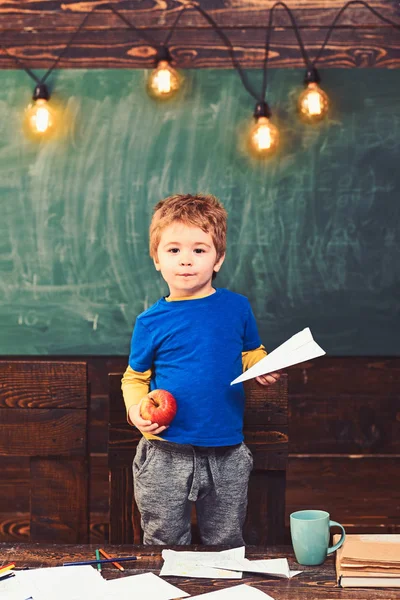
(310, 530)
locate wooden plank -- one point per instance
(98, 498)
(15, 498)
(98, 369)
(357, 491)
(43, 412)
(98, 419)
(268, 445)
(344, 424)
(14, 526)
(121, 528)
(98, 528)
(266, 527)
(45, 432)
(69, 15)
(357, 375)
(59, 500)
(99, 484)
(14, 484)
(273, 404)
(120, 49)
(42, 384)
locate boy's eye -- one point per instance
(173, 250)
(199, 250)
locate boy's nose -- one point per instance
(185, 261)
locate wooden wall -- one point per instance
(344, 446)
(37, 31)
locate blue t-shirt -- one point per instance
(194, 348)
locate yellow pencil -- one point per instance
(104, 553)
(6, 568)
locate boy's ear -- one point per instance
(156, 263)
(218, 264)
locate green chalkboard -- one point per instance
(314, 235)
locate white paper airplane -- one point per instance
(297, 349)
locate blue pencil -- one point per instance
(102, 561)
(6, 576)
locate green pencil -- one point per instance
(98, 558)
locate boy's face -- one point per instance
(186, 258)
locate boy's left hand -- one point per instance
(268, 379)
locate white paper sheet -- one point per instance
(266, 564)
(238, 592)
(83, 582)
(299, 348)
(277, 567)
(145, 585)
(200, 564)
(63, 583)
(14, 589)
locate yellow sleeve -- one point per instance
(134, 386)
(251, 357)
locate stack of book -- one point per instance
(368, 560)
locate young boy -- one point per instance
(192, 343)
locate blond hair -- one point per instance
(199, 210)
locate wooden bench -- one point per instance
(266, 434)
(43, 450)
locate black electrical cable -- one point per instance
(268, 40)
(341, 11)
(225, 39)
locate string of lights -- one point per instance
(165, 80)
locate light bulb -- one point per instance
(40, 118)
(313, 103)
(264, 137)
(164, 81)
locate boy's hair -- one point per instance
(200, 210)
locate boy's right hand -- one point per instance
(143, 425)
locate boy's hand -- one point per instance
(268, 379)
(143, 425)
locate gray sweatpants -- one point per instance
(169, 478)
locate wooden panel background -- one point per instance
(344, 432)
(43, 451)
(37, 31)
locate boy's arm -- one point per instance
(135, 386)
(251, 357)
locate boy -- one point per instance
(192, 343)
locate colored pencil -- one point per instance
(104, 553)
(102, 561)
(6, 567)
(98, 563)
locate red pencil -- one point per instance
(104, 553)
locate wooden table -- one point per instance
(314, 583)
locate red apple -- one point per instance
(158, 406)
